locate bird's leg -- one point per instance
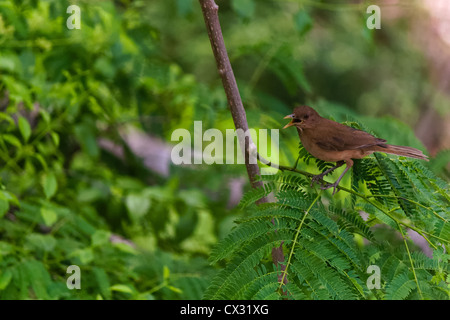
(349, 163)
(319, 177)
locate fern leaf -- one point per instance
(353, 222)
(293, 291)
(240, 270)
(329, 277)
(233, 242)
(400, 287)
(255, 194)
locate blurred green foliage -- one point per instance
(135, 234)
(66, 201)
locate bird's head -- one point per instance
(303, 117)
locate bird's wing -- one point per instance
(343, 137)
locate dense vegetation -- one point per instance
(76, 190)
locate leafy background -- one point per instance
(86, 118)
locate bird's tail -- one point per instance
(403, 151)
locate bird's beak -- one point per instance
(291, 116)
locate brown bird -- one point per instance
(331, 141)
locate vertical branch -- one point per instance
(210, 13)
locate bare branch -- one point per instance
(210, 14)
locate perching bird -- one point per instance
(331, 141)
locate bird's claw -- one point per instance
(331, 185)
(316, 179)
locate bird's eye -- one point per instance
(305, 116)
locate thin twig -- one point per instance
(297, 233)
(410, 261)
(411, 201)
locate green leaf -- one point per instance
(4, 204)
(86, 136)
(184, 7)
(45, 242)
(55, 138)
(174, 289)
(125, 247)
(11, 198)
(24, 128)
(303, 22)
(5, 279)
(41, 160)
(245, 8)
(45, 115)
(49, 184)
(400, 287)
(5, 248)
(37, 277)
(102, 282)
(137, 205)
(11, 139)
(9, 63)
(166, 273)
(49, 216)
(121, 288)
(7, 118)
(86, 255)
(100, 238)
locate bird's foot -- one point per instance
(317, 179)
(331, 185)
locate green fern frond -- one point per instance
(329, 278)
(391, 264)
(312, 287)
(262, 287)
(353, 222)
(241, 234)
(287, 179)
(340, 239)
(400, 287)
(240, 270)
(294, 292)
(442, 230)
(255, 194)
(322, 237)
(400, 184)
(421, 261)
